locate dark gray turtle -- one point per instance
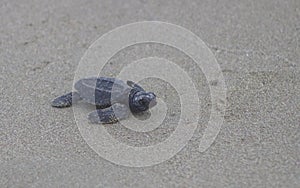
(114, 99)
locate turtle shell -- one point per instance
(103, 91)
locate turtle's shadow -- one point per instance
(143, 116)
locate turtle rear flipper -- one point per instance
(109, 115)
(66, 100)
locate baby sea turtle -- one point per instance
(114, 99)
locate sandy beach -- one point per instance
(256, 43)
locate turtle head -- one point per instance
(141, 101)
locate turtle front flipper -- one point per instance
(134, 85)
(66, 100)
(109, 115)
